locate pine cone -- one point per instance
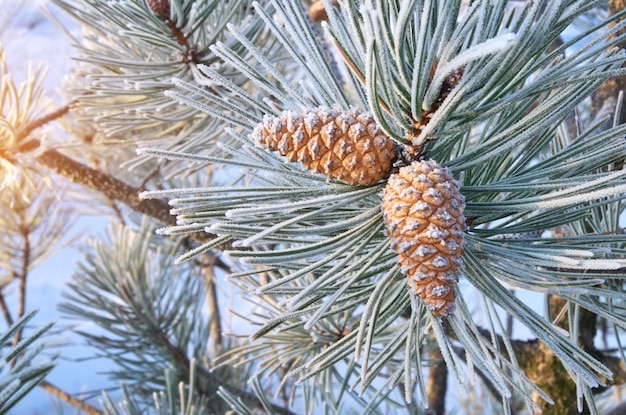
(423, 213)
(160, 7)
(344, 145)
(317, 11)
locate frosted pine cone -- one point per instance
(423, 213)
(160, 7)
(317, 11)
(344, 145)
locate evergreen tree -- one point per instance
(391, 189)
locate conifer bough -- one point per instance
(344, 145)
(423, 213)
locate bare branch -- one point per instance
(23, 276)
(5, 310)
(206, 263)
(69, 399)
(437, 384)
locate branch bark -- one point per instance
(437, 384)
(544, 369)
(215, 329)
(69, 399)
(23, 276)
(111, 187)
(5, 309)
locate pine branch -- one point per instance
(69, 399)
(24, 371)
(437, 384)
(111, 187)
(328, 254)
(80, 173)
(45, 385)
(190, 52)
(546, 371)
(23, 276)
(207, 264)
(144, 309)
(5, 309)
(40, 122)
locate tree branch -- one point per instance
(544, 369)
(40, 123)
(206, 264)
(23, 276)
(5, 309)
(69, 399)
(437, 384)
(111, 187)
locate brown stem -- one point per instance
(79, 173)
(437, 384)
(69, 399)
(113, 188)
(41, 122)
(21, 306)
(5, 310)
(190, 54)
(108, 185)
(215, 326)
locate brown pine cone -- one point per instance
(160, 7)
(423, 213)
(343, 145)
(317, 12)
